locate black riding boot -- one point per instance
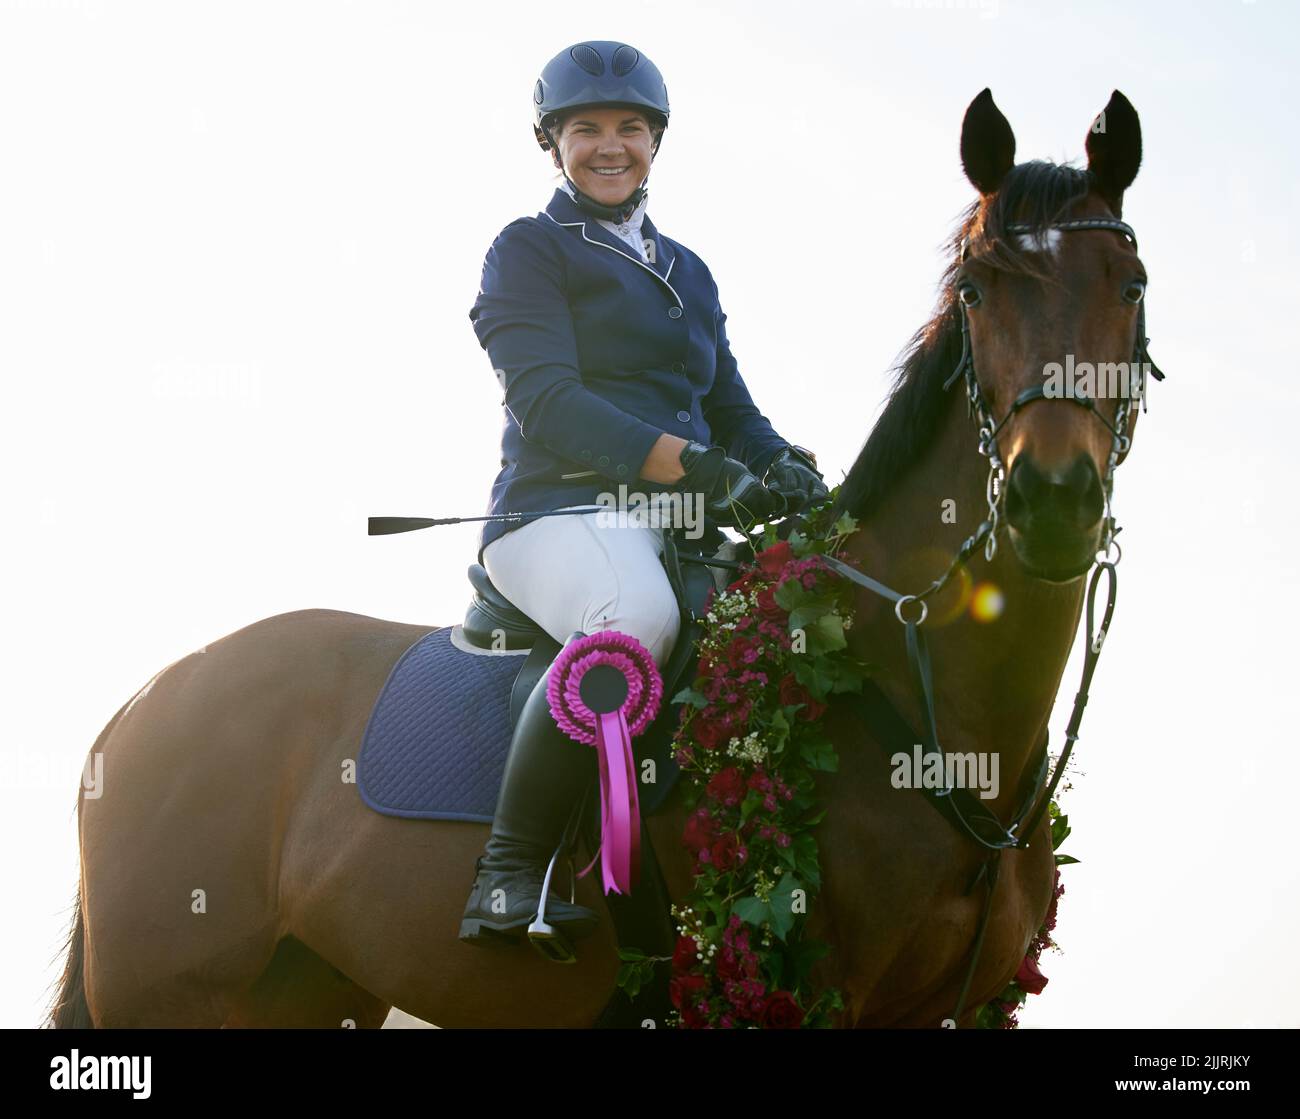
(546, 774)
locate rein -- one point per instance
(959, 807)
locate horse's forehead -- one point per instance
(1046, 241)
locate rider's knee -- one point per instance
(656, 624)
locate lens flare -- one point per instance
(986, 603)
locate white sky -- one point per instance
(238, 245)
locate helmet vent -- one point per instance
(588, 58)
(625, 58)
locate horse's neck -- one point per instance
(995, 681)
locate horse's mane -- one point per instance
(1035, 194)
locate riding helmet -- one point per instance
(599, 73)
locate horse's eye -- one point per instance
(1135, 291)
(969, 294)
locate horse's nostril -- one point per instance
(1070, 499)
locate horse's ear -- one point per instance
(1114, 146)
(988, 146)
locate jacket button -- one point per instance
(674, 312)
(622, 469)
(679, 367)
(685, 417)
(586, 456)
(603, 460)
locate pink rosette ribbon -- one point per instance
(603, 690)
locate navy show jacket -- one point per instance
(598, 354)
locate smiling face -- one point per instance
(605, 151)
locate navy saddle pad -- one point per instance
(436, 743)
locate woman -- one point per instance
(609, 344)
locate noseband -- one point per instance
(988, 429)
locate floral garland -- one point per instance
(1000, 1013)
(749, 744)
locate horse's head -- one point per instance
(1050, 288)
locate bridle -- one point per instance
(1140, 365)
(967, 813)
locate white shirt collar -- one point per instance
(628, 231)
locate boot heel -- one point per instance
(482, 935)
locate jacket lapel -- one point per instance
(564, 211)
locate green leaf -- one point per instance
(629, 979)
(818, 753)
(780, 906)
(752, 911)
(831, 628)
(691, 696)
(1060, 829)
(809, 610)
(789, 594)
(1065, 860)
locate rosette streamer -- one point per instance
(603, 690)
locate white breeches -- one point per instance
(580, 572)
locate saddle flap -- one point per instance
(491, 614)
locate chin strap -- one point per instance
(622, 212)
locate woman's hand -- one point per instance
(732, 494)
(794, 475)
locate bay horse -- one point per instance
(230, 877)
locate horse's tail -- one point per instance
(70, 1011)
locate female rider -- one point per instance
(608, 341)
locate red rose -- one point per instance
(727, 786)
(710, 734)
(781, 1012)
(723, 852)
(794, 692)
(684, 954)
(729, 966)
(682, 989)
(772, 560)
(692, 1019)
(700, 831)
(768, 607)
(743, 651)
(1030, 978)
(742, 583)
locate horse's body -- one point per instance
(226, 775)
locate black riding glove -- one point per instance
(793, 474)
(731, 493)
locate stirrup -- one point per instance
(553, 943)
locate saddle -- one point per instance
(641, 918)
